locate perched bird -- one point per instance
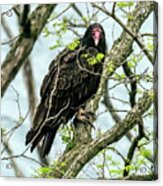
(73, 78)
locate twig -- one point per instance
(107, 102)
(11, 41)
(77, 10)
(22, 155)
(61, 13)
(113, 8)
(12, 130)
(117, 152)
(17, 100)
(148, 35)
(78, 25)
(9, 151)
(6, 28)
(75, 32)
(9, 11)
(135, 37)
(133, 147)
(118, 99)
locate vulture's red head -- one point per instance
(95, 37)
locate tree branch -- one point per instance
(107, 102)
(17, 170)
(133, 147)
(77, 10)
(24, 45)
(90, 150)
(132, 32)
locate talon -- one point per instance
(85, 117)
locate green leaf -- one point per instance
(3, 131)
(46, 32)
(53, 47)
(100, 166)
(146, 153)
(110, 67)
(84, 18)
(73, 45)
(63, 164)
(115, 171)
(130, 17)
(21, 119)
(58, 44)
(44, 170)
(130, 167)
(125, 4)
(92, 60)
(131, 64)
(150, 46)
(109, 158)
(55, 24)
(100, 57)
(65, 138)
(139, 91)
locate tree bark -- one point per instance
(23, 46)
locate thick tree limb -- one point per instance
(111, 136)
(24, 45)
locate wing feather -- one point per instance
(65, 89)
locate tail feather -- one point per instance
(47, 134)
(30, 136)
(36, 141)
(48, 141)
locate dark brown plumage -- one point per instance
(72, 80)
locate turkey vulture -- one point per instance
(73, 78)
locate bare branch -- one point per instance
(9, 12)
(17, 169)
(23, 46)
(77, 10)
(133, 147)
(113, 8)
(61, 13)
(22, 155)
(29, 82)
(6, 28)
(134, 35)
